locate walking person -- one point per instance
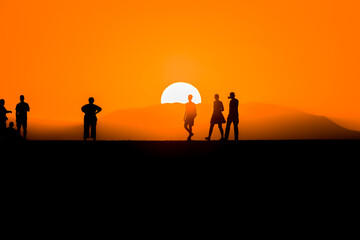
(3, 117)
(21, 115)
(217, 117)
(189, 116)
(233, 117)
(90, 118)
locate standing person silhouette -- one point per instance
(21, 115)
(189, 117)
(217, 117)
(90, 118)
(3, 117)
(233, 117)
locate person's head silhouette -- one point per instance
(91, 100)
(232, 95)
(11, 125)
(216, 97)
(22, 98)
(190, 97)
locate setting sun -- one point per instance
(178, 93)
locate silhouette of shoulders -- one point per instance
(190, 109)
(234, 103)
(90, 109)
(218, 106)
(22, 108)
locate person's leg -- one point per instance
(24, 125)
(221, 130)
(190, 132)
(93, 130)
(236, 130)
(186, 127)
(86, 129)
(227, 130)
(210, 131)
(18, 126)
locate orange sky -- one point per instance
(303, 54)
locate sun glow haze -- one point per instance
(179, 92)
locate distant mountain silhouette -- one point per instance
(159, 122)
(352, 123)
(165, 122)
(257, 121)
(267, 121)
(41, 129)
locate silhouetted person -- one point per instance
(233, 117)
(90, 118)
(189, 117)
(11, 133)
(11, 128)
(21, 115)
(3, 113)
(217, 117)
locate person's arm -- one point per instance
(7, 111)
(98, 110)
(28, 108)
(222, 107)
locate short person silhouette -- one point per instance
(90, 118)
(189, 117)
(217, 117)
(11, 133)
(233, 117)
(21, 115)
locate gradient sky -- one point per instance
(299, 53)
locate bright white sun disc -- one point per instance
(179, 92)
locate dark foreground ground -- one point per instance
(295, 153)
(183, 161)
(137, 151)
(181, 185)
(197, 165)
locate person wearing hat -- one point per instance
(90, 118)
(233, 117)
